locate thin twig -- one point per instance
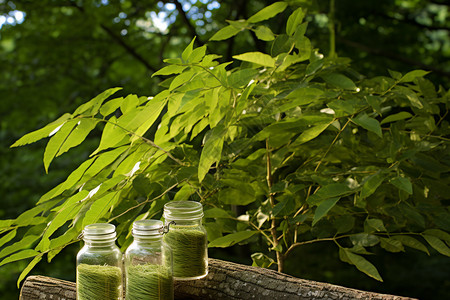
(146, 201)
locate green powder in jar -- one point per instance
(189, 248)
(149, 282)
(96, 282)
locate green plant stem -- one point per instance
(273, 227)
(331, 27)
(322, 158)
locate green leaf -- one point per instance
(310, 134)
(28, 268)
(411, 242)
(57, 244)
(396, 117)
(78, 134)
(242, 77)
(212, 150)
(93, 105)
(438, 233)
(169, 70)
(294, 20)
(56, 142)
(148, 115)
(302, 96)
(371, 184)
(368, 123)
(27, 253)
(182, 79)
(264, 33)
(231, 239)
(188, 50)
(129, 103)
(6, 224)
(257, 58)
(216, 212)
(375, 103)
(281, 44)
(412, 213)
(71, 180)
(66, 212)
(363, 265)
(44, 132)
(100, 207)
(284, 207)
(261, 260)
(8, 237)
(314, 66)
(112, 136)
(394, 74)
(25, 242)
(329, 191)
(402, 183)
(225, 33)
(184, 193)
(391, 245)
(268, 12)
(410, 95)
(344, 223)
(111, 106)
(437, 244)
(410, 76)
(235, 196)
(371, 225)
(340, 81)
(323, 208)
(197, 55)
(303, 45)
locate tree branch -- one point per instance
(413, 22)
(186, 20)
(118, 39)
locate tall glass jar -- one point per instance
(187, 238)
(99, 264)
(148, 263)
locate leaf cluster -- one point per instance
(285, 149)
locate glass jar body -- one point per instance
(148, 270)
(99, 271)
(187, 239)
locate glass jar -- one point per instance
(99, 264)
(187, 238)
(148, 263)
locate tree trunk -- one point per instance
(225, 280)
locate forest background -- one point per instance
(54, 55)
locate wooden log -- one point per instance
(225, 280)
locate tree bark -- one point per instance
(225, 280)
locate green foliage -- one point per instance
(307, 148)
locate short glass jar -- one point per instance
(187, 238)
(99, 264)
(148, 263)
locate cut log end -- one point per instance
(225, 280)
